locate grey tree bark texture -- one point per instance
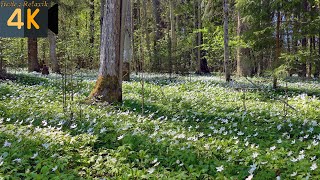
(53, 54)
(226, 40)
(127, 52)
(108, 87)
(244, 65)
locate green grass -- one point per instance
(191, 128)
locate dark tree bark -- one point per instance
(202, 63)
(244, 65)
(145, 27)
(1, 61)
(303, 65)
(226, 41)
(33, 63)
(158, 34)
(108, 87)
(53, 54)
(317, 63)
(92, 28)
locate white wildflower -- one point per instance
(54, 169)
(249, 177)
(314, 167)
(7, 144)
(34, 155)
(272, 148)
(253, 167)
(18, 160)
(255, 155)
(120, 137)
(220, 168)
(154, 161)
(73, 126)
(279, 141)
(293, 174)
(151, 170)
(46, 145)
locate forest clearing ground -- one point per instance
(192, 128)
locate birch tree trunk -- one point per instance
(108, 87)
(278, 50)
(226, 40)
(53, 54)
(127, 56)
(33, 63)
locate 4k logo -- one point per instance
(30, 18)
(19, 23)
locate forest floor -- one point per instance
(192, 128)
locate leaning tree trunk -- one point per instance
(244, 65)
(53, 53)
(226, 41)
(108, 87)
(33, 64)
(127, 53)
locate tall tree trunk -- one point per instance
(1, 58)
(278, 50)
(169, 43)
(127, 56)
(173, 32)
(304, 41)
(309, 61)
(92, 30)
(145, 27)
(53, 54)
(198, 35)
(303, 64)
(244, 65)
(158, 36)
(33, 63)
(108, 87)
(202, 64)
(44, 58)
(102, 7)
(317, 63)
(226, 40)
(136, 39)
